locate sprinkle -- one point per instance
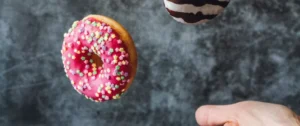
(85, 48)
(107, 87)
(90, 74)
(85, 71)
(86, 61)
(84, 86)
(111, 50)
(97, 34)
(93, 78)
(113, 36)
(79, 88)
(98, 24)
(109, 30)
(81, 30)
(94, 24)
(91, 61)
(115, 57)
(107, 60)
(88, 22)
(80, 83)
(100, 40)
(122, 77)
(115, 61)
(81, 74)
(117, 96)
(89, 54)
(92, 34)
(103, 47)
(82, 37)
(78, 71)
(108, 77)
(69, 45)
(119, 41)
(99, 89)
(126, 74)
(95, 44)
(90, 40)
(114, 73)
(72, 72)
(73, 57)
(106, 36)
(96, 94)
(82, 58)
(94, 64)
(117, 67)
(94, 69)
(95, 72)
(72, 82)
(118, 78)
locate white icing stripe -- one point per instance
(182, 21)
(207, 9)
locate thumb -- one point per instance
(231, 124)
(214, 115)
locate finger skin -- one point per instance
(231, 124)
(210, 115)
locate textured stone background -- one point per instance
(251, 51)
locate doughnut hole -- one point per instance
(97, 60)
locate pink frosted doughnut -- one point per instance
(99, 58)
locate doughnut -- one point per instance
(99, 58)
(195, 11)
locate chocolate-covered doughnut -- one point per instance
(195, 11)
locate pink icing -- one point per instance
(98, 83)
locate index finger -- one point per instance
(213, 115)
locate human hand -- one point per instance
(248, 113)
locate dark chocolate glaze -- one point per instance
(190, 17)
(201, 2)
